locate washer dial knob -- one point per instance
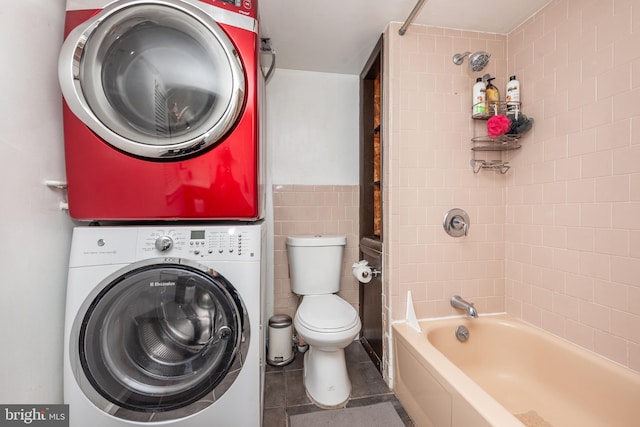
(164, 243)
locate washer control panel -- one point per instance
(205, 243)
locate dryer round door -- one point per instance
(157, 336)
(157, 79)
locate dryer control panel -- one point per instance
(242, 7)
(207, 243)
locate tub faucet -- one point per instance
(458, 302)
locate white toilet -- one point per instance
(324, 320)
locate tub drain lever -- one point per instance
(462, 333)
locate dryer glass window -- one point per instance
(160, 338)
(160, 76)
(161, 81)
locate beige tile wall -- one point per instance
(555, 241)
(311, 210)
(427, 172)
(573, 200)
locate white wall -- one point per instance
(35, 233)
(312, 128)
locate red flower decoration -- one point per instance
(498, 125)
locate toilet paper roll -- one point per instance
(362, 272)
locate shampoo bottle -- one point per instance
(493, 97)
(513, 94)
(479, 105)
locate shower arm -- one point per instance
(411, 16)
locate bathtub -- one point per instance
(507, 374)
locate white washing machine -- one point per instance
(164, 326)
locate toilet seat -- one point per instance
(326, 313)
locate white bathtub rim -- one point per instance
(459, 316)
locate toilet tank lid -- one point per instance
(316, 240)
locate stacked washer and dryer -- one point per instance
(163, 319)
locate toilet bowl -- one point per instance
(328, 324)
(323, 320)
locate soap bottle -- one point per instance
(513, 94)
(479, 105)
(492, 96)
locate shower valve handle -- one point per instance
(456, 223)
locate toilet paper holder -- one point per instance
(368, 271)
(375, 272)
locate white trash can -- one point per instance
(280, 340)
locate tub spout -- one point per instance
(458, 302)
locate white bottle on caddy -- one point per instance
(478, 104)
(513, 94)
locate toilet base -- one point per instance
(326, 380)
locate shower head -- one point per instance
(477, 61)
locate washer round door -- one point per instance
(157, 336)
(157, 79)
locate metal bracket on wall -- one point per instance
(265, 47)
(496, 165)
(63, 205)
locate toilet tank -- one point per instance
(315, 263)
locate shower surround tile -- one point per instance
(561, 226)
(601, 91)
(427, 161)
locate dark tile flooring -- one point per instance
(284, 393)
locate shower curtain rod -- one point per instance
(412, 15)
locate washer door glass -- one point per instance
(158, 338)
(161, 79)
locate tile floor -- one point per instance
(284, 393)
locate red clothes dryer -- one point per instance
(161, 103)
